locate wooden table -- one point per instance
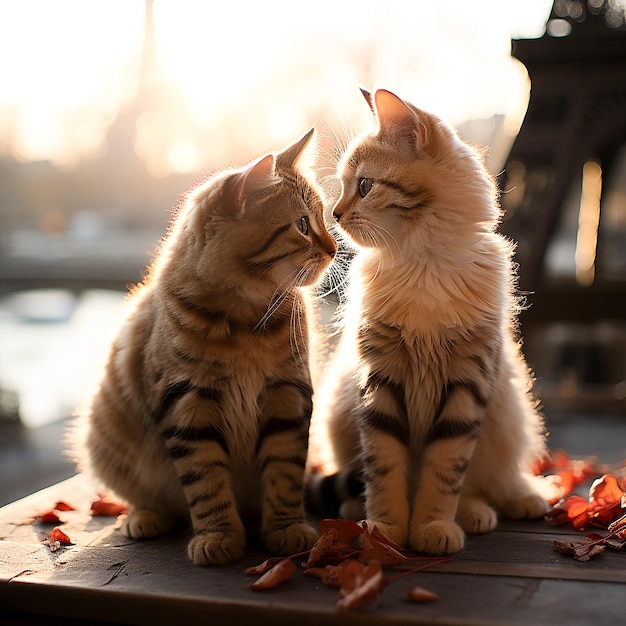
(510, 576)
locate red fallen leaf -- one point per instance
(56, 539)
(380, 536)
(49, 517)
(573, 510)
(368, 584)
(567, 472)
(347, 530)
(326, 542)
(617, 534)
(261, 568)
(279, 573)
(104, 506)
(346, 575)
(421, 595)
(58, 535)
(605, 500)
(375, 550)
(583, 549)
(63, 506)
(568, 480)
(319, 572)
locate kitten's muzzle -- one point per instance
(337, 213)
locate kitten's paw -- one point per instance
(145, 523)
(476, 517)
(437, 538)
(529, 506)
(215, 548)
(295, 538)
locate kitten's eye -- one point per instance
(303, 225)
(365, 186)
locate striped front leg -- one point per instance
(451, 443)
(384, 438)
(281, 457)
(200, 455)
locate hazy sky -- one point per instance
(69, 65)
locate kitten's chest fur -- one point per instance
(419, 365)
(423, 329)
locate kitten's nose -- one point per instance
(337, 213)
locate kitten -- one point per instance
(204, 407)
(428, 393)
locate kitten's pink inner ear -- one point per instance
(396, 118)
(255, 178)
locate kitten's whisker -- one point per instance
(276, 301)
(295, 322)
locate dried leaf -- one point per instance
(53, 545)
(56, 539)
(279, 573)
(319, 572)
(104, 506)
(326, 542)
(346, 575)
(261, 568)
(421, 595)
(49, 517)
(58, 535)
(582, 550)
(573, 510)
(369, 584)
(605, 500)
(566, 472)
(380, 536)
(375, 550)
(63, 506)
(347, 530)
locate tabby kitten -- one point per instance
(204, 407)
(428, 394)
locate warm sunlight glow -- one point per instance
(588, 221)
(63, 80)
(226, 79)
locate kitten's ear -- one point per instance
(368, 98)
(256, 179)
(288, 157)
(399, 121)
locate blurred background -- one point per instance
(110, 110)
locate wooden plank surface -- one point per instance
(511, 576)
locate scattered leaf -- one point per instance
(319, 572)
(261, 568)
(63, 506)
(375, 550)
(58, 535)
(326, 542)
(364, 586)
(382, 538)
(276, 575)
(105, 506)
(49, 517)
(605, 500)
(573, 510)
(347, 530)
(421, 595)
(56, 539)
(583, 549)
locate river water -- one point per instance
(53, 345)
